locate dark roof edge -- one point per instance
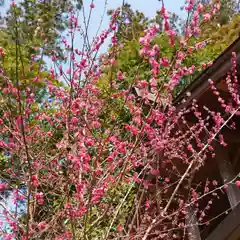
(221, 65)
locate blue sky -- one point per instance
(148, 7)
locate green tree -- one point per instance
(228, 8)
(22, 52)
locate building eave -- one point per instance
(221, 65)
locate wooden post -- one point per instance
(229, 228)
(227, 173)
(193, 230)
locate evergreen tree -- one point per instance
(227, 10)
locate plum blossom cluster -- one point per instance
(81, 158)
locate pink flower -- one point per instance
(206, 189)
(238, 184)
(54, 58)
(189, 7)
(68, 206)
(155, 172)
(112, 61)
(68, 235)
(35, 181)
(42, 225)
(194, 195)
(164, 62)
(120, 76)
(96, 124)
(114, 40)
(110, 158)
(147, 204)
(225, 186)
(167, 180)
(120, 228)
(3, 187)
(74, 121)
(39, 197)
(134, 130)
(59, 238)
(199, 7)
(97, 195)
(207, 17)
(190, 148)
(215, 183)
(80, 212)
(49, 134)
(92, 5)
(89, 142)
(40, 201)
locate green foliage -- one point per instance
(3, 161)
(31, 23)
(218, 34)
(131, 24)
(129, 57)
(228, 8)
(99, 221)
(39, 24)
(217, 38)
(21, 40)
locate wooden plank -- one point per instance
(227, 173)
(191, 221)
(236, 158)
(228, 228)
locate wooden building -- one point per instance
(225, 212)
(226, 165)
